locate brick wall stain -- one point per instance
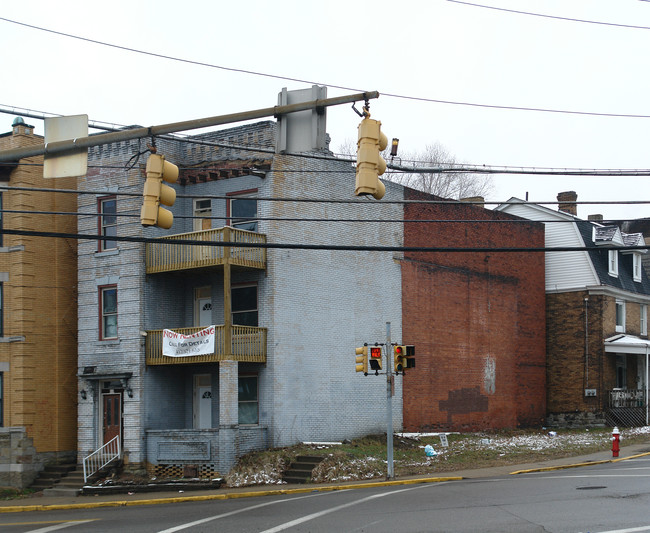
(477, 320)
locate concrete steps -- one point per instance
(51, 475)
(68, 485)
(300, 471)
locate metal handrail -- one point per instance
(100, 458)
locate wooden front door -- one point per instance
(112, 416)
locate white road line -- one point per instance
(231, 513)
(313, 516)
(60, 526)
(628, 530)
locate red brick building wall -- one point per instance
(477, 320)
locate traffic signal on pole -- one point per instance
(410, 356)
(399, 358)
(375, 358)
(155, 192)
(370, 164)
(362, 359)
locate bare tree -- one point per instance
(447, 184)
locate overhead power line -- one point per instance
(312, 82)
(335, 247)
(556, 17)
(365, 202)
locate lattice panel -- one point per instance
(178, 471)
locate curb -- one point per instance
(226, 496)
(576, 465)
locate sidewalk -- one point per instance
(42, 503)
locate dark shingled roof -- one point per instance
(600, 260)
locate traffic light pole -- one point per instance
(61, 147)
(389, 406)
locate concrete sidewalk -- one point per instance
(38, 502)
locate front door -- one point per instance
(202, 401)
(203, 307)
(112, 415)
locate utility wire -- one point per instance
(333, 200)
(289, 219)
(568, 19)
(311, 82)
(289, 246)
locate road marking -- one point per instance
(60, 526)
(231, 513)
(628, 530)
(313, 516)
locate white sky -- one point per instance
(432, 49)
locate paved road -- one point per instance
(611, 497)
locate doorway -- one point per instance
(112, 416)
(202, 418)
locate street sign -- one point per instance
(72, 164)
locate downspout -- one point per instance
(646, 385)
(587, 342)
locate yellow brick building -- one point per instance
(38, 304)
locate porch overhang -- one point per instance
(627, 344)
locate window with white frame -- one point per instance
(202, 214)
(636, 267)
(108, 312)
(613, 262)
(644, 320)
(620, 316)
(248, 399)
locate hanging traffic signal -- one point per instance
(399, 358)
(362, 359)
(370, 164)
(156, 193)
(410, 356)
(375, 358)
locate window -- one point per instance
(202, 214)
(108, 312)
(2, 399)
(636, 267)
(621, 372)
(243, 212)
(244, 305)
(107, 207)
(248, 400)
(613, 263)
(1, 219)
(644, 320)
(620, 315)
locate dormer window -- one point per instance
(636, 267)
(613, 263)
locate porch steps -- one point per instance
(50, 476)
(300, 471)
(68, 485)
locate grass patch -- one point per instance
(365, 458)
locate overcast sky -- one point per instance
(416, 51)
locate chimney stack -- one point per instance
(567, 203)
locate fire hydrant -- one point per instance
(616, 439)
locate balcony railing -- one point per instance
(626, 398)
(166, 256)
(248, 345)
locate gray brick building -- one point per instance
(285, 373)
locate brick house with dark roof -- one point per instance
(597, 303)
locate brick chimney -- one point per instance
(567, 203)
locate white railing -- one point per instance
(101, 457)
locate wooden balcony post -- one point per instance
(227, 306)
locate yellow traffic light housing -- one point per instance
(375, 358)
(362, 359)
(155, 192)
(370, 164)
(409, 351)
(399, 358)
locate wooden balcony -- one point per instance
(165, 256)
(248, 345)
